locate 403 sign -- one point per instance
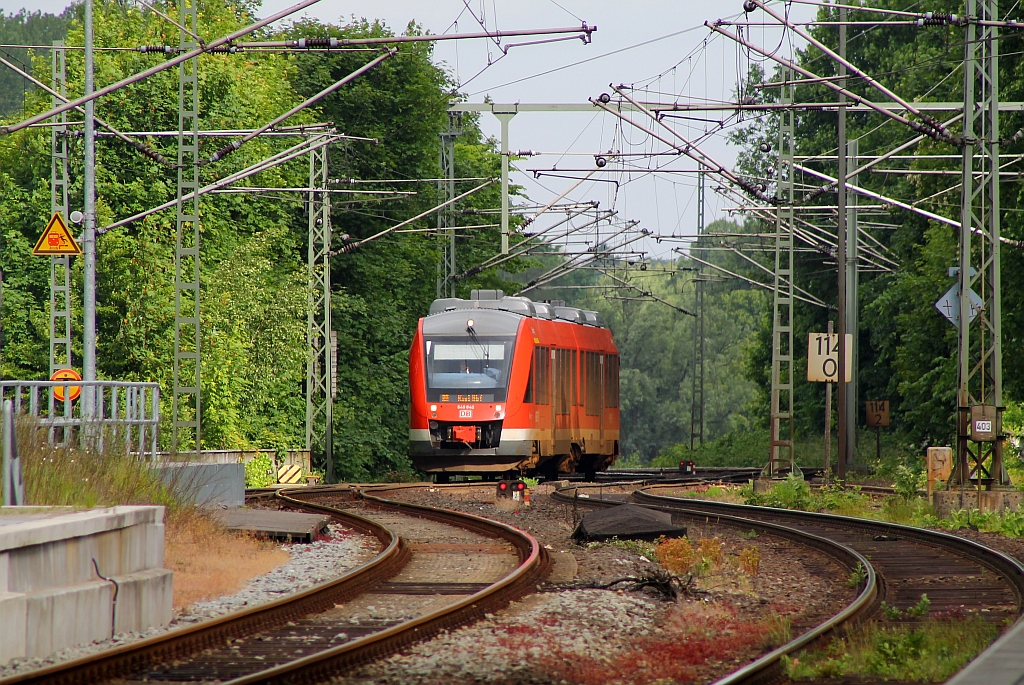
(823, 357)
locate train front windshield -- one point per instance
(468, 369)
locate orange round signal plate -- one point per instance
(73, 390)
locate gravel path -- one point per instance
(310, 564)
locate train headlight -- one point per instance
(497, 407)
(433, 407)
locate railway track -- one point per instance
(903, 562)
(724, 474)
(404, 595)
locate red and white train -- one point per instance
(503, 385)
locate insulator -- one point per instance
(761, 187)
(765, 147)
(749, 6)
(601, 162)
(316, 42)
(604, 98)
(226, 49)
(770, 171)
(166, 49)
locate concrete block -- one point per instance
(206, 484)
(154, 545)
(5, 565)
(947, 501)
(67, 616)
(13, 617)
(144, 600)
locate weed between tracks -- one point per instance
(930, 651)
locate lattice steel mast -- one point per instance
(320, 371)
(60, 271)
(980, 377)
(697, 393)
(781, 446)
(186, 408)
(446, 216)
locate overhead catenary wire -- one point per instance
(355, 245)
(141, 76)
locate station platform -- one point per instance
(72, 577)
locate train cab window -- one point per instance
(468, 368)
(611, 381)
(528, 395)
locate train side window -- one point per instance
(611, 381)
(562, 375)
(593, 394)
(542, 375)
(575, 378)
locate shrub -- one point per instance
(710, 549)
(676, 554)
(259, 472)
(750, 561)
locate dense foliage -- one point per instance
(254, 300)
(25, 28)
(908, 350)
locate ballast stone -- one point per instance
(626, 522)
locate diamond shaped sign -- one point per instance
(949, 305)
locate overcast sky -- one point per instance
(660, 45)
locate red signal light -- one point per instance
(520, 485)
(502, 486)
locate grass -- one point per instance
(905, 508)
(929, 651)
(86, 478)
(207, 559)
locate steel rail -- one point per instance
(323, 665)
(1008, 568)
(768, 666)
(183, 642)
(186, 642)
(998, 562)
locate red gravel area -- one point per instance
(570, 634)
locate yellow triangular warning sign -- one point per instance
(56, 239)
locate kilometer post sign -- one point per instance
(823, 357)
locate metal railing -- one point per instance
(106, 411)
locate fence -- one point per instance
(107, 411)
